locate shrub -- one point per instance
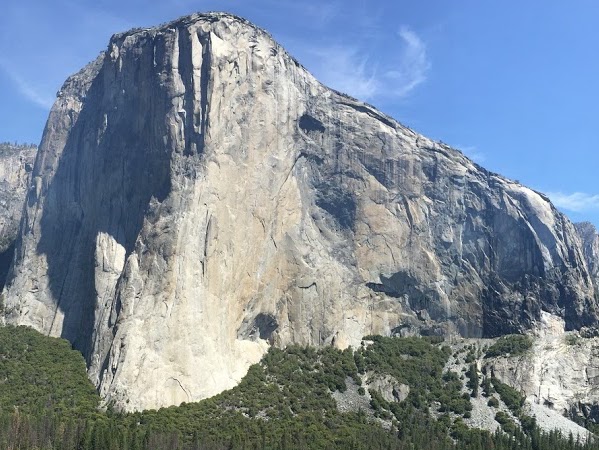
(507, 424)
(493, 402)
(472, 375)
(528, 424)
(572, 339)
(510, 396)
(487, 387)
(471, 356)
(513, 345)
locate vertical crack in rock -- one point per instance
(205, 80)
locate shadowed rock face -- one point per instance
(16, 164)
(590, 248)
(199, 196)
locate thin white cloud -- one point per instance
(577, 201)
(414, 64)
(472, 152)
(319, 14)
(352, 70)
(29, 92)
(348, 71)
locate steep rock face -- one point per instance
(590, 248)
(16, 165)
(200, 196)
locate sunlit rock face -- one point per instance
(561, 371)
(199, 196)
(16, 165)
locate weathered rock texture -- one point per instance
(548, 376)
(590, 248)
(560, 372)
(199, 196)
(16, 164)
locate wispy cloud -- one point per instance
(352, 69)
(315, 13)
(28, 91)
(347, 70)
(320, 14)
(472, 152)
(577, 201)
(414, 64)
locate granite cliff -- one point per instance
(590, 248)
(199, 196)
(16, 165)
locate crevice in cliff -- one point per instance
(262, 326)
(194, 117)
(310, 124)
(185, 69)
(207, 237)
(205, 90)
(381, 288)
(371, 112)
(6, 258)
(182, 388)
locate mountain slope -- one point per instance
(199, 196)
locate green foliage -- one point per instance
(6, 147)
(41, 374)
(512, 344)
(529, 424)
(282, 403)
(471, 355)
(507, 424)
(572, 339)
(493, 402)
(472, 375)
(487, 386)
(417, 362)
(510, 396)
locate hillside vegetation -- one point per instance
(285, 402)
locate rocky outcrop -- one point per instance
(533, 374)
(199, 196)
(590, 248)
(560, 372)
(388, 387)
(16, 165)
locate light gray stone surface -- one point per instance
(590, 247)
(387, 386)
(16, 165)
(558, 373)
(199, 196)
(550, 420)
(547, 376)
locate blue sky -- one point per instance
(513, 84)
